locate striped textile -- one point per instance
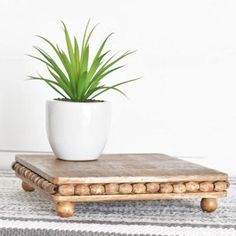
(32, 214)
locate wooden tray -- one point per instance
(119, 177)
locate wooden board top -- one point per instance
(119, 168)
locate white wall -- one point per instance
(183, 106)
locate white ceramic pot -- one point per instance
(77, 131)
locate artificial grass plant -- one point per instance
(77, 77)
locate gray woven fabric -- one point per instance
(32, 214)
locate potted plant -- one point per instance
(77, 123)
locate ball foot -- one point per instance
(209, 204)
(65, 209)
(27, 187)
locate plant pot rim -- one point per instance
(73, 102)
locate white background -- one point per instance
(183, 106)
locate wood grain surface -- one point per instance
(129, 197)
(119, 168)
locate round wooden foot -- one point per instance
(27, 187)
(209, 204)
(65, 209)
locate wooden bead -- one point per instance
(179, 188)
(34, 176)
(206, 187)
(220, 186)
(40, 183)
(97, 189)
(65, 209)
(82, 189)
(166, 188)
(192, 187)
(16, 168)
(30, 176)
(152, 187)
(26, 172)
(66, 189)
(21, 170)
(50, 188)
(209, 204)
(139, 188)
(112, 189)
(36, 179)
(27, 187)
(45, 184)
(125, 188)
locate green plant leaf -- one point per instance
(115, 87)
(96, 81)
(52, 64)
(77, 56)
(109, 64)
(72, 73)
(98, 58)
(62, 85)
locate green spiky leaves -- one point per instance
(76, 77)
